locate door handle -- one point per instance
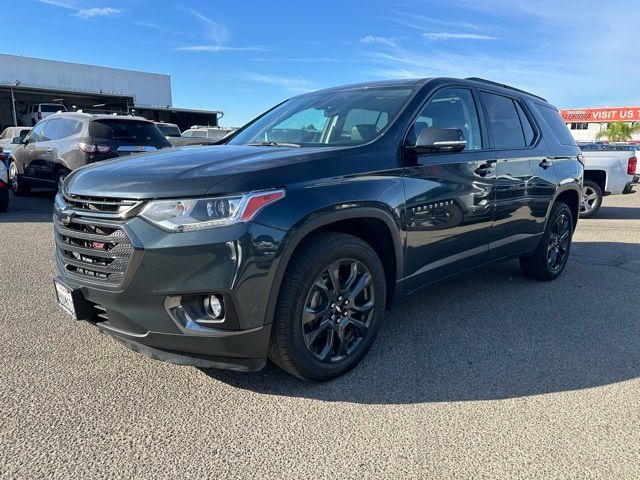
(484, 170)
(545, 163)
(49, 150)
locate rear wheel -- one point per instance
(17, 184)
(591, 199)
(60, 177)
(329, 309)
(550, 258)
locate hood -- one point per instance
(178, 172)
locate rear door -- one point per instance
(449, 196)
(525, 178)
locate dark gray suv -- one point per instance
(290, 239)
(65, 141)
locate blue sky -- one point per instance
(244, 56)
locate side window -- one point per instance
(36, 134)
(527, 129)
(68, 128)
(505, 130)
(554, 120)
(450, 108)
(51, 130)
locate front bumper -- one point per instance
(237, 262)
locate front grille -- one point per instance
(99, 206)
(94, 250)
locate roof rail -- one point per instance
(496, 84)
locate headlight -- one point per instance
(197, 213)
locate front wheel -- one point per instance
(550, 258)
(329, 309)
(4, 199)
(17, 184)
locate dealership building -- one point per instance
(25, 81)
(585, 123)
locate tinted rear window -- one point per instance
(506, 130)
(126, 131)
(51, 108)
(555, 122)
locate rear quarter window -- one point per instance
(130, 131)
(557, 125)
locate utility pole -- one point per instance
(13, 109)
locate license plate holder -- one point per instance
(64, 295)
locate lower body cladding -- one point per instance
(162, 305)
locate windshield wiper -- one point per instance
(273, 144)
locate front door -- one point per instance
(33, 168)
(449, 196)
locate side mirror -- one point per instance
(433, 140)
(19, 140)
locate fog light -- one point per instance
(213, 306)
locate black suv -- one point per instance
(65, 141)
(288, 241)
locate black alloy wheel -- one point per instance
(548, 261)
(330, 307)
(558, 242)
(338, 310)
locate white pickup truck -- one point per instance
(608, 170)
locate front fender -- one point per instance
(319, 219)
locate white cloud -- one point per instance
(84, 13)
(221, 48)
(292, 84)
(388, 41)
(217, 34)
(456, 36)
(88, 13)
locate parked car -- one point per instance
(200, 135)
(40, 111)
(9, 138)
(4, 187)
(66, 141)
(610, 171)
(290, 239)
(168, 129)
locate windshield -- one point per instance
(337, 118)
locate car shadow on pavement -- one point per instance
(36, 207)
(618, 213)
(493, 334)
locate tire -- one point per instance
(60, 176)
(591, 199)
(543, 264)
(309, 345)
(17, 184)
(4, 199)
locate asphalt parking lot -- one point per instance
(490, 375)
